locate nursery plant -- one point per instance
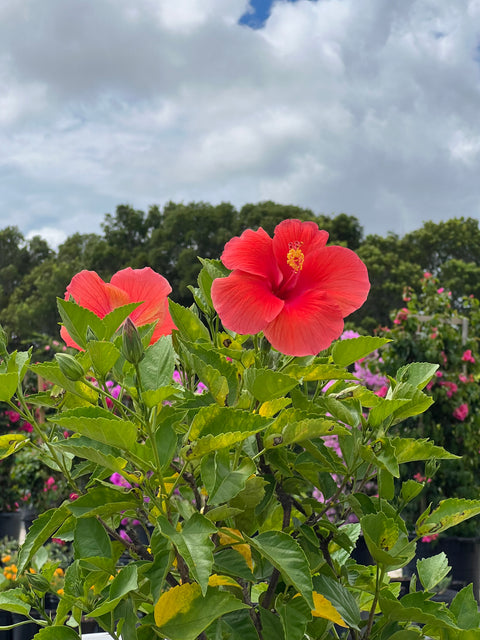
(231, 508)
(432, 326)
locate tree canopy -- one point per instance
(171, 238)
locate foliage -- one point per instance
(226, 538)
(429, 328)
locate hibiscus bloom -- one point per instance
(129, 285)
(292, 287)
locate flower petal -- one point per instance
(90, 291)
(252, 252)
(307, 324)
(290, 233)
(68, 340)
(164, 325)
(245, 302)
(147, 286)
(338, 272)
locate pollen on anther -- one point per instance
(295, 256)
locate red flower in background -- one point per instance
(129, 285)
(292, 287)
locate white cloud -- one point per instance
(362, 106)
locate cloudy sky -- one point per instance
(368, 107)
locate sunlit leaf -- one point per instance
(324, 609)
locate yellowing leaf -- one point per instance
(243, 549)
(222, 581)
(176, 600)
(269, 408)
(325, 609)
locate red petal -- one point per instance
(289, 232)
(68, 340)
(244, 302)
(164, 325)
(147, 286)
(252, 252)
(90, 291)
(338, 272)
(307, 324)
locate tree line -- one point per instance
(170, 239)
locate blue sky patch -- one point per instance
(258, 13)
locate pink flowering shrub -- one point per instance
(431, 329)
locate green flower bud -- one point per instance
(70, 367)
(132, 347)
(91, 336)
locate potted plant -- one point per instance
(225, 484)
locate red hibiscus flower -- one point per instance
(129, 285)
(292, 287)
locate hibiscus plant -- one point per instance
(231, 509)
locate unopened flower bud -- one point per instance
(70, 367)
(91, 336)
(132, 347)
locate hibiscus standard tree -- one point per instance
(196, 443)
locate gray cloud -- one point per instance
(359, 106)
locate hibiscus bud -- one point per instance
(70, 367)
(132, 343)
(91, 336)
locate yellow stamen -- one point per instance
(295, 256)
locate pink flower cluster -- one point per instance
(401, 316)
(461, 412)
(467, 356)
(450, 386)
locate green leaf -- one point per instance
(381, 453)
(156, 368)
(104, 501)
(182, 613)
(193, 544)
(215, 420)
(124, 582)
(432, 570)
(449, 512)
(57, 633)
(265, 384)
(10, 443)
(103, 356)
(384, 409)
(411, 449)
(284, 553)
(209, 443)
(387, 543)
(112, 321)
(216, 383)
(232, 563)
(12, 600)
(94, 451)
(294, 425)
(77, 319)
(221, 483)
(239, 626)
(410, 490)
(415, 607)
(165, 443)
(211, 269)
(418, 374)
(465, 609)
(294, 614)
(91, 540)
(8, 385)
(41, 530)
(99, 424)
(418, 401)
(341, 599)
(318, 372)
(188, 324)
(50, 371)
(346, 352)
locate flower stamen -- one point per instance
(295, 256)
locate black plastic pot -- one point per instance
(10, 524)
(5, 620)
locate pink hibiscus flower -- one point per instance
(292, 287)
